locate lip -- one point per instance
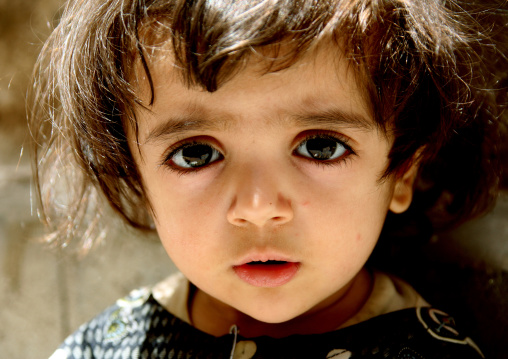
(266, 271)
(264, 256)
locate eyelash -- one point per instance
(340, 139)
(303, 139)
(181, 145)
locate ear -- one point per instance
(403, 191)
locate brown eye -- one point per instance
(321, 148)
(194, 155)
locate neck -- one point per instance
(216, 318)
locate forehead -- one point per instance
(310, 83)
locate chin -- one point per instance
(274, 315)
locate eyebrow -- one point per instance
(335, 118)
(182, 124)
(328, 118)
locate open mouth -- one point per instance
(257, 263)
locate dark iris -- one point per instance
(197, 155)
(321, 148)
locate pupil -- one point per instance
(197, 155)
(321, 148)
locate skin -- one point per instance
(263, 197)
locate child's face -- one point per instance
(284, 167)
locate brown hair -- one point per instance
(428, 68)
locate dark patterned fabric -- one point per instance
(139, 327)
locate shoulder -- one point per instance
(422, 332)
(109, 330)
(124, 328)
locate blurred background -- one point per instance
(46, 294)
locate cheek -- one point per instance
(349, 208)
(186, 214)
(181, 198)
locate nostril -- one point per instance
(259, 211)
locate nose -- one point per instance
(258, 201)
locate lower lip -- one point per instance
(267, 275)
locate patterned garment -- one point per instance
(139, 327)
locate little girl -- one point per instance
(266, 142)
